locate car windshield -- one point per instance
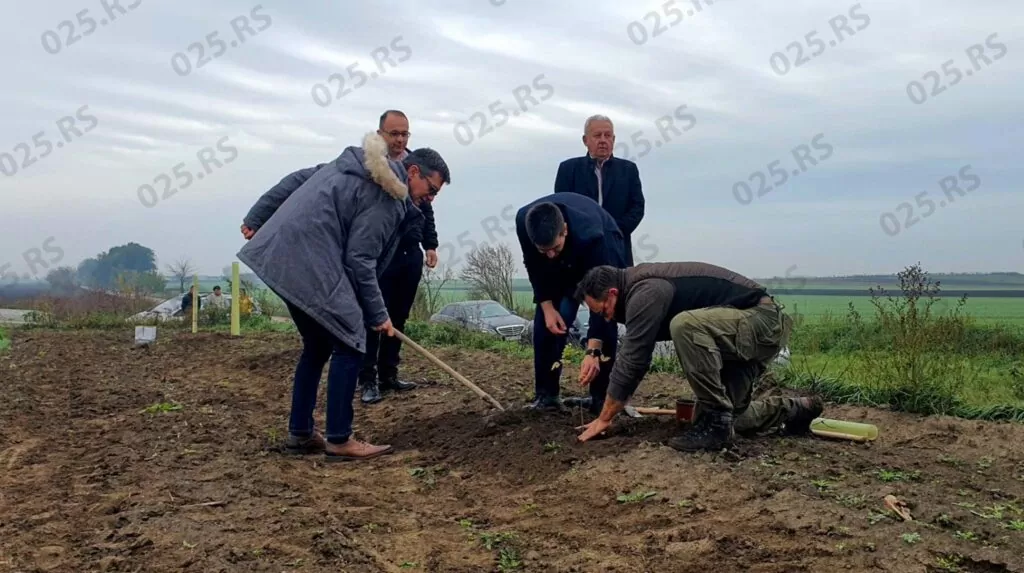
(490, 310)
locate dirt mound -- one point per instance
(168, 459)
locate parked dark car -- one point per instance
(483, 316)
(577, 330)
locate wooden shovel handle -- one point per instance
(462, 379)
(656, 411)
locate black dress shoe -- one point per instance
(371, 393)
(393, 383)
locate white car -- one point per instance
(170, 309)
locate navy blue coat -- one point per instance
(593, 240)
(622, 194)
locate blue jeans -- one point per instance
(548, 349)
(318, 344)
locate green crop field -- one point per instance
(986, 310)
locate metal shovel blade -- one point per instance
(631, 412)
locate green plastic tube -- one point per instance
(854, 430)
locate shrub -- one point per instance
(922, 372)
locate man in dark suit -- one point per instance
(400, 280)
(611, 181)
(562, 236)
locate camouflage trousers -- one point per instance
(724, 350)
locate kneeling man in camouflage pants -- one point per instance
(726, 330)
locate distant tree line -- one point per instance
(129, 268)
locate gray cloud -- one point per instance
(466, 54)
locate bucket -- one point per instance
(685, 410)
(844, 430)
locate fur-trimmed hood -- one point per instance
(371, 161)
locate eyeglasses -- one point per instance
(433, 190)
(404, 134)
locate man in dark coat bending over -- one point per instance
(398, 282)
(320, 251)
(726, 330)
(563, 235)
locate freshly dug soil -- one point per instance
(91, 482)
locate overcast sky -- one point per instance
(149, 110)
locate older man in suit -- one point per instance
(613, 182)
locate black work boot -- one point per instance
(800, 417)
(547, 404)
(586, 402)
(370, 392)
(389, 383)
(713, 431)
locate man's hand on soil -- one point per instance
(593, 429)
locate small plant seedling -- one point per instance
(492, 540)
(552, 447)
(684, 503)
(465, 524)
(950, 460)
(408, 564)
(855, 501)
(994, 512)
(963, 492)
(428, 475)
(822, 484)
(966, 535)
(637, 496)
(911, 538)
(1015, 525)
(891, 476)
(949, 562)
(509, 559)
(985, 463)
(944, 520)
(528, 507)
(161, 408)
(874, 517)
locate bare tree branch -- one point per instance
(181, 269)
(489, 270)
(428, 295)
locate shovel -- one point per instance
(462, 379)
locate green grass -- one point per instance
(5, 342)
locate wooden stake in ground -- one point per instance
(462, 379)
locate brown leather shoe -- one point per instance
(353, 450)
(297, 446)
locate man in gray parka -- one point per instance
(322, 252)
